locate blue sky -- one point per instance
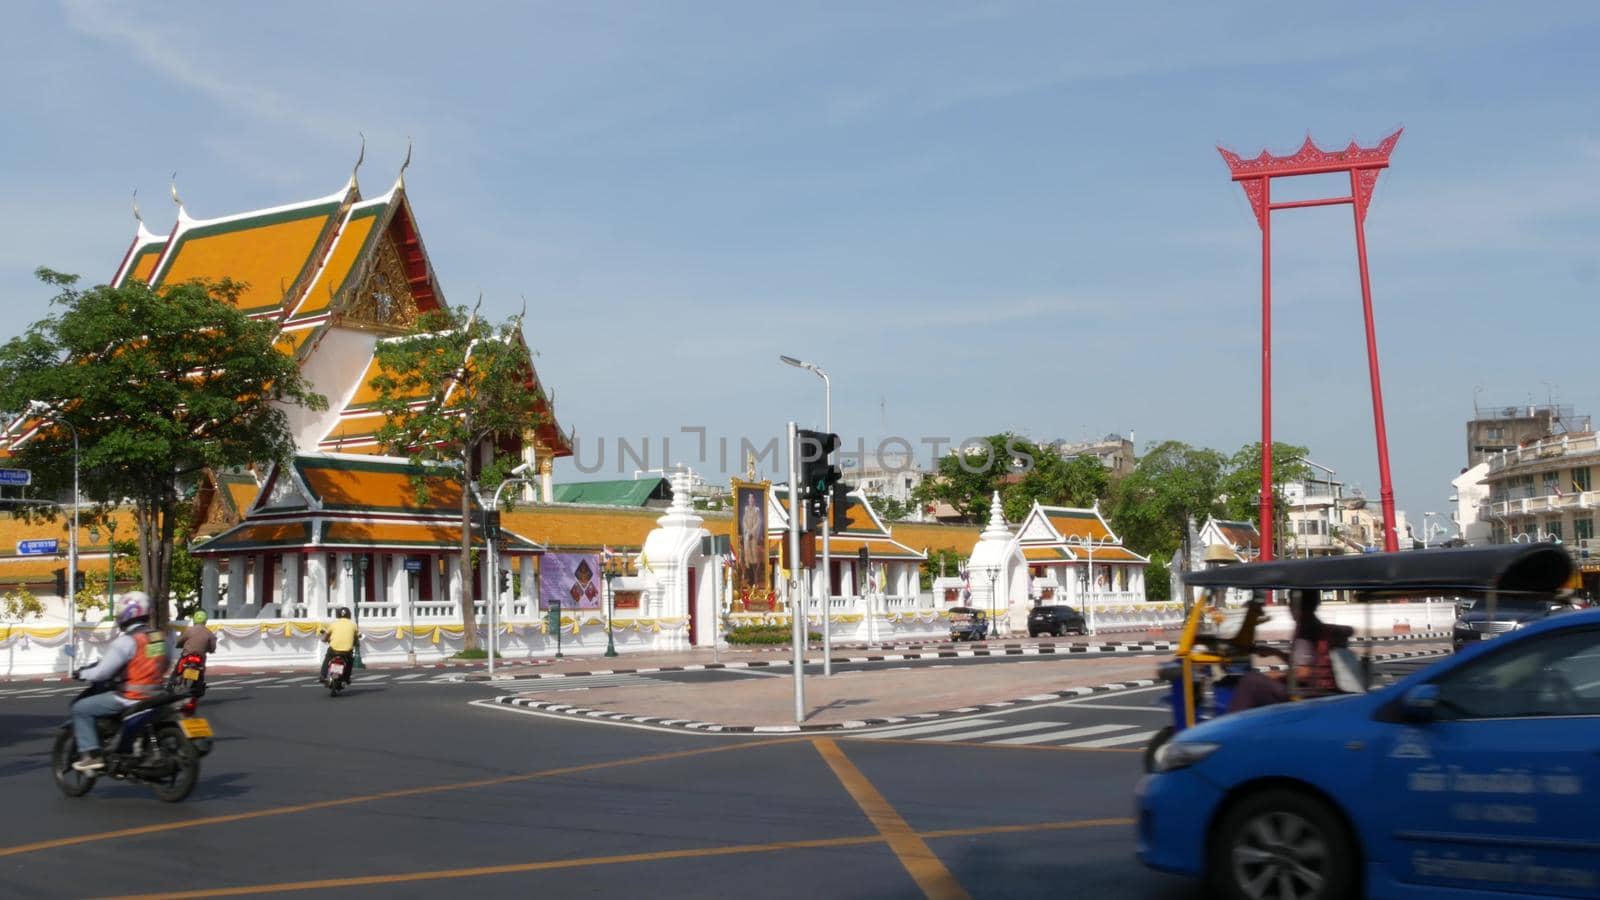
(976, 217)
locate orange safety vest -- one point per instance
(142, 678)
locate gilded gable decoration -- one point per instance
(384, 299)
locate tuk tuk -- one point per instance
(968, 624)
(1207, 665)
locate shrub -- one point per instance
(765, 634)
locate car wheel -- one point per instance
(1156, 741)
(1282, 845)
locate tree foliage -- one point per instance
(1021, 470)
(159, 385)
(456, 386)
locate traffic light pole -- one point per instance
(797, 608)
(827, 568)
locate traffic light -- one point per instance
(840, 508)
(504, 581)
(818, 474)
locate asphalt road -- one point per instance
(403, 788)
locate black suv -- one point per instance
(1057, 620)
(1474, 623)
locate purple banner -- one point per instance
(571, 580)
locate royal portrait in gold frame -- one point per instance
(752, 568)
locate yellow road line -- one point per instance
(368, 798)
(479, 871)
(1017, 829)
(586, 862)
(925, 867)
(867, 737)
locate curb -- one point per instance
(1043, 650)
(602, 715)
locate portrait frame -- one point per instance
(752, 570)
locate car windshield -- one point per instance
(1514, 605)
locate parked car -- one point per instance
(1477, 622)
(968, 624)
(1473, 777)
(1056, 620)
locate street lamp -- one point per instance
(827, 567)
(612, 566)
(519, 475)
(44, 412)
(1427, 529)
(1088, 544)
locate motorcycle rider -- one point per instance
(342, 638)
(196, 640)
(136, 659)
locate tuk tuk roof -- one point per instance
(1539, 568)
(966, 610)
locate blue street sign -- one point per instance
(15, 477)
(44, 547)
(413, 565)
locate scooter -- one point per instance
(338, 674)
(189, 676)
(146, 743)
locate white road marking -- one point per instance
(1138, 737)
(1148, 709)
(990, 732)
(932, 727)
(1052, 736)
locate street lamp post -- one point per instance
(827, 568)
(614, 566)
(1088, 544)
(518, 476)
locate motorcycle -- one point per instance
(338, 674)
(189, 676)
(146, 743)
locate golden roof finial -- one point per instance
(401, 179)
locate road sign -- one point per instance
(15, 477)
(44, 547)
(413, 564)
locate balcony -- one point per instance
(1546, 505)
(1561, 448)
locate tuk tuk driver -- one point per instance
(1309, 654)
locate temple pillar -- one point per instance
(530, 458)
(530, 588)
(210, 584)
(238, 581)
(397, 589)
(546, 483)
(316, 585)
(289, 585)
(346, 574)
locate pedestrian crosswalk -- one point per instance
(1044, 732)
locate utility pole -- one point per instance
(796, 603)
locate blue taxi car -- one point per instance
(1476, 777)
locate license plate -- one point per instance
(191, 674)
(195, 728)
(1487, 637)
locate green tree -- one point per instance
(891, 510)
(1053, 481)
(1020, 469)
(1241, 486)
(159, 384)
(456, 392)
(947, 561)
(1151, 507)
